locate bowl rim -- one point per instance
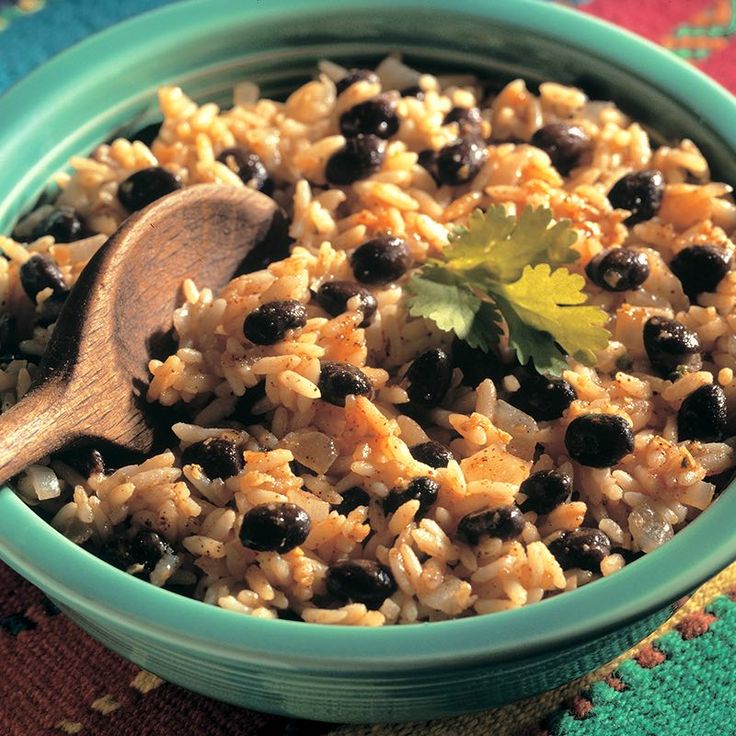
(93, 588)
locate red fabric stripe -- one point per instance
(55, 672)
(649, 18)
(722, 66)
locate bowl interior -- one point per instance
(87, 95)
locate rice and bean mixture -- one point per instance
(344, 462)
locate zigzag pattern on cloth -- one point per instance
(622, 704)
(708, 31)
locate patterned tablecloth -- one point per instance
(54, 679)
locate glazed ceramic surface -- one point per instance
(105, 86)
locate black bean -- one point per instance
(351, 499)
(92, 463)
(427, 159)
(218, 457)
(431, 453)
(429, 377)
(618, 269)
(422, 489)
(599, 440)
(249, 167)
(542, 398)
(639, 192)
(85, 460)
(39, 273)
(702, 415)
(565, 144)
(372, 117)
(269, 323)
(116, 552)
(337, 381)
(275, 527)
(457, 163)
(146, 186)
(468, 119)
(700, 268)
(147, 548)
(244, 406)
(360, 157)
(584, 548)
(477, 365)
(360, 581)
(503, 523)
(669, 344)
(353, 76)
(545, 490)
(380, 260)
(333, 297)
(147, 134)
(63, 225)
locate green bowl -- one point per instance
(339, 673)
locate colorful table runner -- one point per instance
(54, 679)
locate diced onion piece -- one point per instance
(513, 420)
(246, 93)
(395, 75)
(44, 482)
(317, 509)
(315, 450)
(334, 71)
(649, 528)
(522, 428)
(497, 464)
(164, 569)
(698, 495)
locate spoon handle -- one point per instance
(38, 424)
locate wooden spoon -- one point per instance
(93, 378)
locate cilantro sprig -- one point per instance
(503, 270)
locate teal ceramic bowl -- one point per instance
(107, 84)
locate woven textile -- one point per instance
(54, 679)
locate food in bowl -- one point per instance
(496, 364)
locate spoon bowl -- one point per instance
(93, 378)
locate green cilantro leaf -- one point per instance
(486, 327)
(471, 247)
(551, 301)
(444, 297)
(496, 245)
(532, 344)
(500, 269)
